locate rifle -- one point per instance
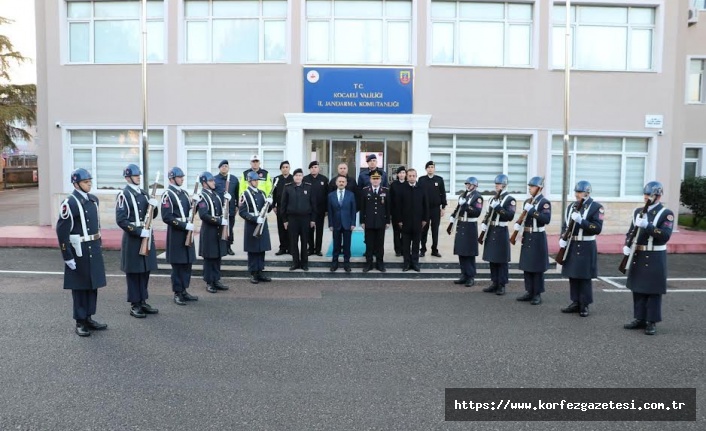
(456, 211)
(567, 235)
(263, 212)
(226, 212)
(489, 215)
(632, 240)
(521, 220)
(147, 242)
(192, 213)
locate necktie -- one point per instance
(340, 197)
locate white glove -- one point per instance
(260, 220)
(189, 226)
(641, 222)
(528, 206)
(461, 201)
(224, 221)
(196, 197)
(562, 243)
(576, 217)
(145, 233)
(154, 202)
(70, 263)
(451, 219)
(626, 250)
(517, 227)
(269, 200)
(483, 227)
(226, 195)
(495, 205)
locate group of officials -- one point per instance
(413, 206)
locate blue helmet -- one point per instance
(79, 175)
(583, 186)
(205, 177)
(501, 179)
(131, 170)
(472, 181)
(175, 172)
(252, 176)
(536, 181)
(653, 188)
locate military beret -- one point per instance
(371, 157)
(298, 171)
(286, 162)
(429, 163)
(313, 163)
(400, 169)
(223, 162)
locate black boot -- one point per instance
(136, 311)
(635, 324)
(220, 286)
(368, 266)
(381, 266)
(262, 277)
(524, 298)
(82, 329)
(470, 282)
(571, 308)
(491, 289)
(188, 297)
(178, 299)
(583, 312)
(211, 288)
(253, 278)
(536, 300)
(501, 290)
(148, 309)
(650, 328)
(96, 326)
(461, 280)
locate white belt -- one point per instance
(255, 214)
(468, 219)
(183, 219)
(499, 223)
(583, 238)
(539, 229)
(90, 237)
(138, 224)
(652, 248)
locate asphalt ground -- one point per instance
(313, 355)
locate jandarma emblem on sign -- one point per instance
(405, 76)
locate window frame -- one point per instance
(700, 161)
(689, 59)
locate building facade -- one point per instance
(481, 90)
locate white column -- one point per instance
(420, 142)
(294, 151)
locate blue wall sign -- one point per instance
(358, 90)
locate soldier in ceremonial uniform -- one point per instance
(211, 247)
(647, 274)
(78, 232)
(176, 207)
(534, 255)
(412, 211)
(131, 208)
(299, 211)
(230, 194)
(581, 258)
(375, 219)
(395, 186)
(319, 188)
(252, 201)
(281, 181)
(436, 194)
(265, 184)
(364, 177)
(497, 241)
(470, 205)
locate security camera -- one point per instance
(660, 132)
(58, 124)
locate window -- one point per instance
(692, 162)
(359, 31)
(109, 32)
(605, 38)
(205, 149)
(695, 85)
(701, 4)
(458, 157)
(481, 34)
(106, 153)
(240, 31)
(615, 167)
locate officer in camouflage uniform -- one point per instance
(252, 201)
(647, 274)
(470, 205)
(497, 240)
(78, 232)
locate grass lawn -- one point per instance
(686, 220)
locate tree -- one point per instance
(693, 196)
(18, 103)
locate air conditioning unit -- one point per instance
(693, 16)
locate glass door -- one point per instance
(343, 151)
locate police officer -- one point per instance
(364, 176)
(252, 201)
(436, 194)
(176, 207)
(534, 254)
(470, 205)
(233, 186)
(211, 247)
(497, 242)
(647, 274)
(299, 211)
(265, 184)
(374, 219)
(78, 232)
(581, 257)
(319, 188)
(131, 208)
(281, 181)
(395, 186)
(412, 213)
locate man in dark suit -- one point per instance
(299, 212)
(319, 188)
(223, 178)
(412, 211)
(281, 181)
(341, 221)
(436, 195)
(78, 231)
(395, 186)
(364, 177)
(374, 219)
(351, 184)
